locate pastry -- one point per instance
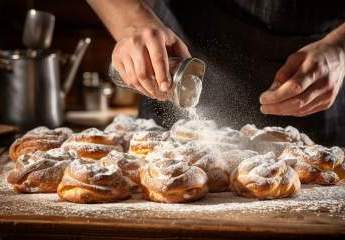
(123, 123)
(40, 172)
(40, 138)
(211, 161)
(144, 142)
(316, 164)
(126, 126)
(93, 144)
(186, 130)
(173, 181)
(129, 164)
(274, 139)
(265, 177)
(93, 182)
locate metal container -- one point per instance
(97, 93)
(31, 91)
(38, 29)
(187, 75)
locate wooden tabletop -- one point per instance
(218, 216)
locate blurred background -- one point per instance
(74, 20)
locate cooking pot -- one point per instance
(31, 91)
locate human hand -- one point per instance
(308, 82)
(141, 58)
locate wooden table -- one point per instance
(43, 216)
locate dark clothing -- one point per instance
(244, 43)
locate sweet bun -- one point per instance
(316, 164)
(144, 142)
(126, 126)
(209, 160)
(274, 139)
(173, 181)
(265, 177)
(129, 164)
(93, 182)
(40, 172)
(93, 144)
(187, 130)
(40, 138)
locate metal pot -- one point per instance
(31, 91)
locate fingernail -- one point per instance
(263, 97)
(262, 110)
(164, 87)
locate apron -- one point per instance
(244, 43)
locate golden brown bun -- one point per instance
(40, 138)
(211, 161)
(173, 181)
(93, 143)
(316, 164)
(144, 142)
(274, 139)
(265, 177)
(129, 164)
(93, 182)
(126, 126)
(40, 171)
(186, 130)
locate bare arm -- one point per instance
(122, 17)
(143, 45)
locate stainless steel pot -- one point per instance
(31, 91)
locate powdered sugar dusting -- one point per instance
(312, 199)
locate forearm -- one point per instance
(123, 17)
(337, 36)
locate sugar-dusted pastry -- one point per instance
(186, 130)
(93, 144)
(265, 177)
(126, 126)
(129, 164)
(40, 172)
(223, 139)
(143, 142)
(210, 160)
(40, 138)
(173, 181)
(316, 164)
(274, 139)
(93, 182)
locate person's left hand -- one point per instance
(307, 83)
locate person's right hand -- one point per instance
(141, 58)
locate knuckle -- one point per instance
(159, 59)
(301, 102)
(142, 75)
(296, 87)
(135, 41)
(150, 32)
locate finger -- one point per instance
(142, 70)
(289, 68)
(159, 59)
(297, 84)
(130, 76)
(162, 96)
(181, 50)
(320, 103)
(294, 105)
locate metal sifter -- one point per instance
(187, 75)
